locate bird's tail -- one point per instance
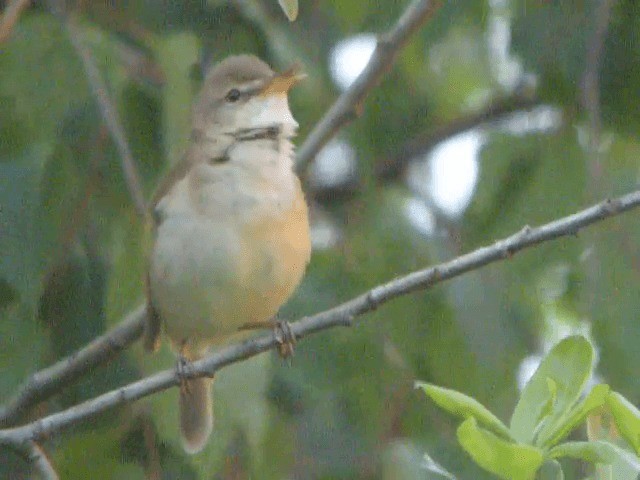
(196, 413)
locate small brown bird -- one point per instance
(231, 229)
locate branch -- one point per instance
(36, 457)
(393, 167)
(349, 104)
(277, 37)
(106, 106)
(41, 385)
(591, 82)
(282, 46)
(10, 17)
(41, 462)
(342, 315)
(47, 382)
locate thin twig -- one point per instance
(44, 383)
(393, 167)
(283, 46)
(348, 105)
(41, 462)
(600, 18)
(10, 17)
(591, 82)
(35, 456)
(107, 110)
(342, 315)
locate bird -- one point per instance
(230, 225)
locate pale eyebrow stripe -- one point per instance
(252, 87)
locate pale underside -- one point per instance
(232, 245)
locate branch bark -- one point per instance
(41, 462)
(349, 104)
(45, 383)
(37, 459)
(591, 83)
(106, 107)
(393, 167)
(341, 315)
(10, 17)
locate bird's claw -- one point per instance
(285, 338)
(282, 332)
(183, 369)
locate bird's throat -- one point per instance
(273, 132)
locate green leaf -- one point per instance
(506, 459)
(404, 460)
(95, 454)
(20, 178)
(128, 247)
(569, 365)
(461, 405)
(41, 69)
(551, 470)
(13, 130)
(554, 431)
(177, 54)
(430, 465)
(597, 451)
(7, 293)
(627, 418)
(290, 8)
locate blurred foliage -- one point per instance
(72, 250)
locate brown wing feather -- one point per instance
(153, 322)
(177, 173)
(152, 325)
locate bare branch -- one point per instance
(278, 37)
(10, 17)
(45, 383)
(283, 46)
(591, 81)
(41, 462)
(342, 315)
(393, 167)
(348, 105)
(36, 457)
(107, 110)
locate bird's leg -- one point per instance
(282, 332)
(285, 337)
(183, 367)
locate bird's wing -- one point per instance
(178, 172)
(152, 324)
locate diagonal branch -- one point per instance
(341, 315)
(41, 462)
(36, 458)
(41, 385)
(46, 382)
(10, 17)
(107, 108)
(591, 82)
(392, 167)
(349, 104)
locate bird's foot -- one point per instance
(183, 370)
(282, 332)
(285, 337)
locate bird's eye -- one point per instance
(233, 95)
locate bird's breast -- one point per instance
(228, 256)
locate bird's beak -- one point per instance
(281, 83)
